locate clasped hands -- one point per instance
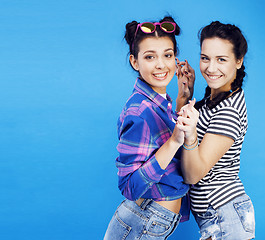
(185, 129)
(186, 77)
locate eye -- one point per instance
(221, 60)
(149, 57)
(168, 55)
(204, 58)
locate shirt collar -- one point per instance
(142, 87)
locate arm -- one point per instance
(196, 163)
(141, 162)
(186, 78)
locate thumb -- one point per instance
(192, 102)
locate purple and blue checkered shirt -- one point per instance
(144, 125)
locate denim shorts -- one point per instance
(147, 221)
(234, 220)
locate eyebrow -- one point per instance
(152, 51)
(216, 56)
(169, 49)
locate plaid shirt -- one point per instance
(144, 125)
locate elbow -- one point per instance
(191, 182)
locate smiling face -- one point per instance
(155, 62)
(218, 64)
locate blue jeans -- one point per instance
(234, 220)
(147, 221)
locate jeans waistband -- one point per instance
(157, 209)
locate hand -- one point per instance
(178, 135)
(186, 77)
(187, 121)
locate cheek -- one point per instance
(173, 66)
(202, 67)
(232, 71)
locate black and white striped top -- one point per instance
(222, 184)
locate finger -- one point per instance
(178, 69)
(181, 127)
(184, 70)
(182, 109)
(189, 112)
(188, 123)
(190, 69)
(192, 102)
(179, 122)
(192, 114)
(177, 60)
(186, 129)
(185, 87)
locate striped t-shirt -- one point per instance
(221, 184)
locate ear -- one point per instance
(134, 62)
(239, 63)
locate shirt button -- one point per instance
(144, 232)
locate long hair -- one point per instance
(234, 35)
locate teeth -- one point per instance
(213, 77)
(160, 75)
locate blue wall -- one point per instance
(64, 80)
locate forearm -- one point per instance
(135, 184)
(193, 166)
(166, 152)
(198, 161)
(180, 102)
(135, 180)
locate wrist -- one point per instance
(182, 98)
(191, 140)
(180, 102)
(192, 146)
(173, 143)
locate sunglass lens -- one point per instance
(168, 27)
(147, 27)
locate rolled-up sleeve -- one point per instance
(137, 166)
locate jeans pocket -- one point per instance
(245, 212)
(210, 217)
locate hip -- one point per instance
(234, 220)
(149, 219)
(173, 206)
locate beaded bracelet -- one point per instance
(186, 146)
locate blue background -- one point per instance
(65, 77)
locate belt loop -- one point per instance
(145, 203)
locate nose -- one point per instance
(212, 67)
(160, 63)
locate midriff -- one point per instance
(173, 206)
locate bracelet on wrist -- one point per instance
(191, 146)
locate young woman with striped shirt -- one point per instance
(212, 147)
